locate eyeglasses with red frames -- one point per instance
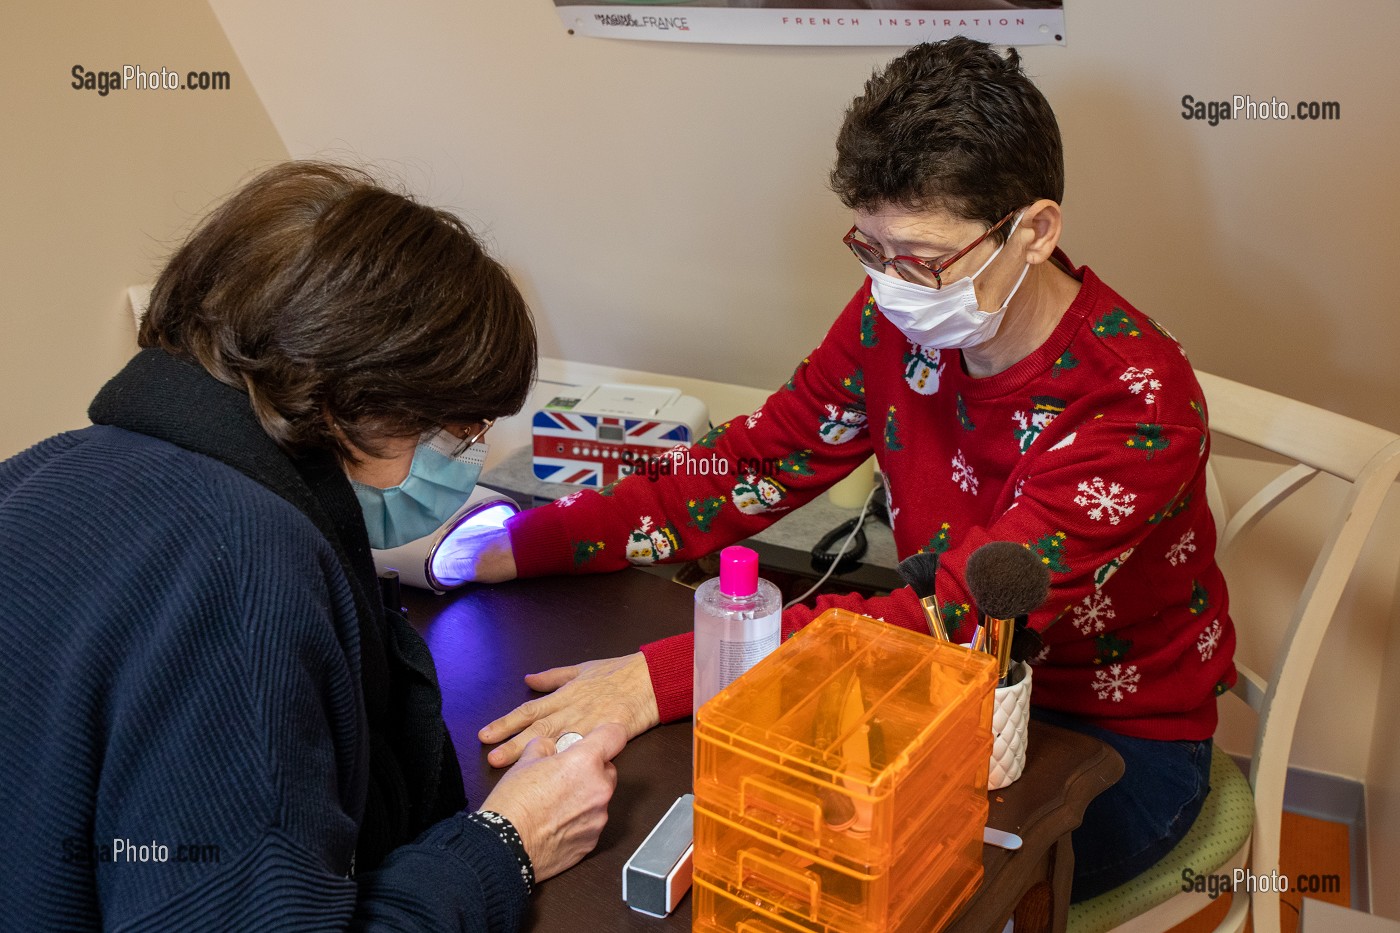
(911, 268)
(470, 435)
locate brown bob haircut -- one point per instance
(344, 310)
(951, 126)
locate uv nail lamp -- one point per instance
(591, 435)
(427, 562)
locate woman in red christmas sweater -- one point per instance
(1009, 396)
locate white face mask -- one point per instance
(944, 318)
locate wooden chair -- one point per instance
(1241, 820)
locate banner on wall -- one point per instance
(818, 22)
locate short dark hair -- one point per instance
(950, 126)
(346, 311)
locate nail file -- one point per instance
(995, 837)
(657, 875)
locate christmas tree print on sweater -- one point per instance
(1043, 410)
(1066, 361)
(796, 463)
(963, 418)
(855, 384)
(892, 431)
(713, 436)
(584, 551)
(1148, 439)
(939, 542)
(703, 511)
(923, 368)
(868, 314)
(1110, 648)
(791, 384)
(1117, 323)
(650, 543)
(1051, 551)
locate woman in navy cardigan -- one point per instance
(211, 721)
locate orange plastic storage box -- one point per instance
(841, 784)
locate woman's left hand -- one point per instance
(577, 698)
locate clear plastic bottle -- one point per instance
(738, 621)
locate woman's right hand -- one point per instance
(481, 555)
(558, 801)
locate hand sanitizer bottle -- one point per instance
(738, 620)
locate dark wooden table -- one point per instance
(486, 639)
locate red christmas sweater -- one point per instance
(1091, 451)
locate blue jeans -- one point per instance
(1130, 826)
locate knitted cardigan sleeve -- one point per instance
(239, 726)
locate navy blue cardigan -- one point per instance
(179, 666)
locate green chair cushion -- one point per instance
(1224, 823)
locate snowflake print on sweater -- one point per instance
(1140, 382)
(1178, 552)
(1118, 680)
(1209, 640)
(963, 475)
(1093, 614)
(1110, 501)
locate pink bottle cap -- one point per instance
(738, 571)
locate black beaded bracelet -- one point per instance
(504, 829)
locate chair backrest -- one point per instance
(1318, 442)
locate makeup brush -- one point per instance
(919, 571)
(1007, 582)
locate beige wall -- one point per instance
(95, 191)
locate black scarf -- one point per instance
(414, 779)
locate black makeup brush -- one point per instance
(919, 571)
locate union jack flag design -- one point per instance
(578, 450)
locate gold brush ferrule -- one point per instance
(935, 620)
(1000, 632)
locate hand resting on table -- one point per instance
(576, 698)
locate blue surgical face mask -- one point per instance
(437, 485)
